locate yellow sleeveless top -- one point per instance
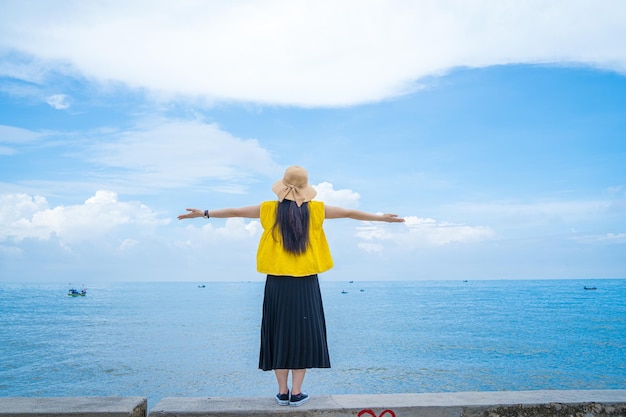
(272, 259)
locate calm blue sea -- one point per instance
(175, 339)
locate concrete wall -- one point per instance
(605, 403)
(73, 407)
(461, 404)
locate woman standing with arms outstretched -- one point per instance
(292, 251)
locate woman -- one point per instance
(292, 251)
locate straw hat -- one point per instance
(294, 186)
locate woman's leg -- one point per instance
(281, 377)
(297, 376)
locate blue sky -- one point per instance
(497, 129)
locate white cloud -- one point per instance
(16, 135)
(234, 228)
(343, 198)
(128, 244)
(602, 239)
(182, 153)
(431, 232)
(23, 216)
(59, 101)
(375, 231)
(418, 232)
(16, 206)
(30, 69)
(309, 53)
(233, 235)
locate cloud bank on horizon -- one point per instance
(118, 114)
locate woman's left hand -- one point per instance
(392, 218)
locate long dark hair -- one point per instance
(293, 223)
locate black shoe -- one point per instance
(282, 399)
(298, 400)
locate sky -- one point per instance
(497, 129)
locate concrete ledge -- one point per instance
(73, 406)
(607, 403)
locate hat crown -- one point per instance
(296, 176)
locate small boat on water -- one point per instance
(76, 293)
(590, 288)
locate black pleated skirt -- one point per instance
(293, 327)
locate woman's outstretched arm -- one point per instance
(342, 213)
(252, 212)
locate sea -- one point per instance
(190, 339)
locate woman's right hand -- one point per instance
(193, 213)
